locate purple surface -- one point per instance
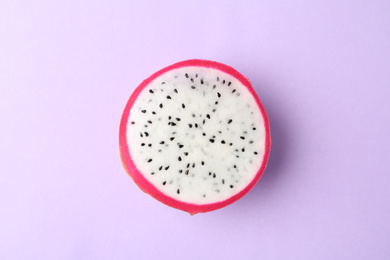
(321, 69)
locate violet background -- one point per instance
(321, 69)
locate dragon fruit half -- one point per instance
(195, 136)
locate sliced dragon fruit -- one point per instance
(195, 136)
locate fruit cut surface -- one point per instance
(195, 136)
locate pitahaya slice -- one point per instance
(195, 136)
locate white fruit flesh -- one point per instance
(196, 134)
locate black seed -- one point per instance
(188, 165)
(231, 144)
(193, 87)
(243, 150)
(220, 132)
(180, 171)
(236, 150)
(255, 152)
(202, 162)
(251, 142)
(214, 86)
(196, 75)
(230, 121)
(214, 175)
(161, 105)
(204, 134)
(229, 83)
(235, 166)
(181, 146)
(162, 83)
(223, 142)
(172, 138)
(196, 125)
(201, 81)
(166, 168)
(223, 181)
(146, 134)
(169, 97)
(169, 117)
(140, 134)
(192, 80)
(242, 137)
(254, 128)
(160, 168)
(159, 151)
(178, 119)
(237, 156)
(186, 75)
(193, 115)
(153, 112)
(185, 153)
(152, 173)
(218, 94)
(143, 111)
(150, 160)
(217, 78)
(204, 121)
(231, 186)
(223, 81)
(162, 142)
(145, 125)
(204, 195)
(164, 182)
(150, 145)
(179, 158)
(133, 123)
(212, 140)
(190, 125)
(175, 90)
(183, 106)
(151, 91)
(149, 121)
(214, 110)
(216, 102)
(210, 173)
(142, 144)
(187, 172)
(178, 191)
(173, 124)
(208, 116)
(193, 165)
(234, 90)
